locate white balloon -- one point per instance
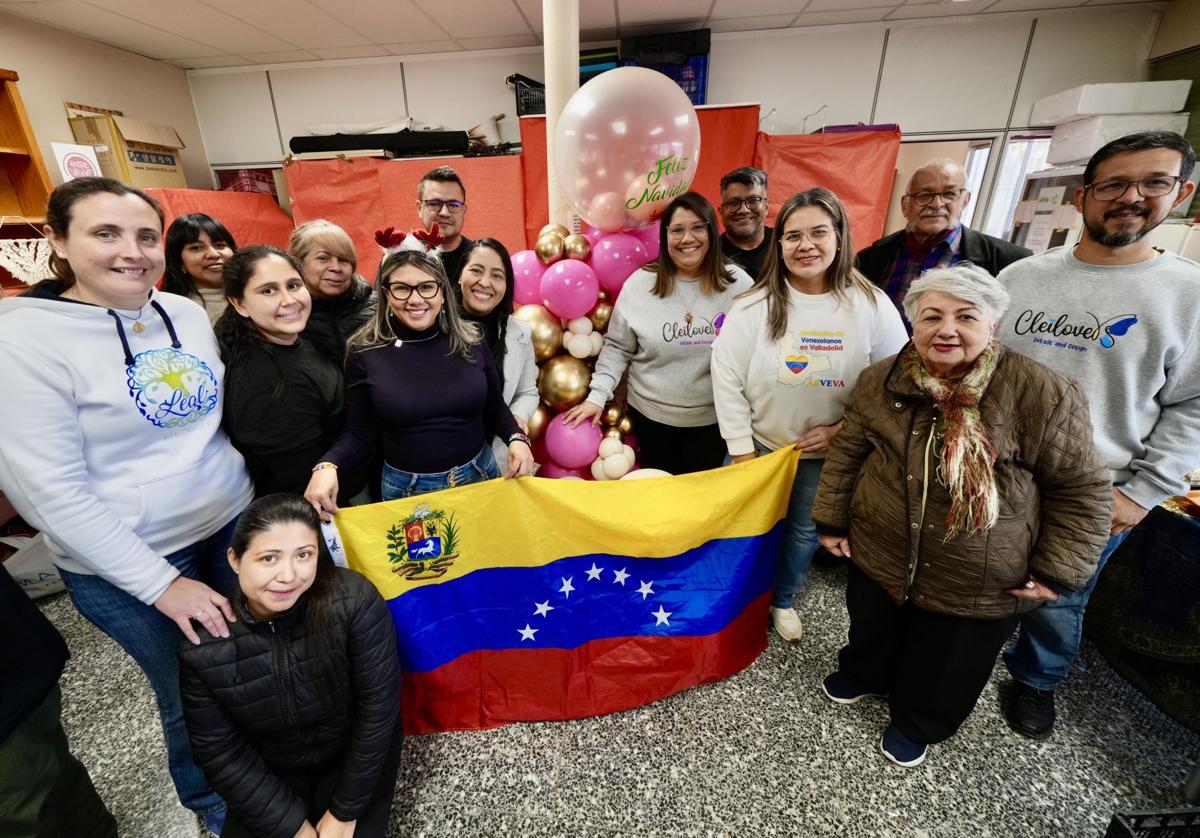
(628, 452)
(597, 343)
(580, 326)
(615, 467)
(570, 477)
(566, 340)
(580, 348)
(644, 473)
(598, 469)
(609, 447)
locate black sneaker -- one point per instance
(1030, 712)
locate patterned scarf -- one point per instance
(967, 453)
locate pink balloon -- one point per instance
(569, 447)
(527, 278)
(569, 288)
(614, 258)
(627, 142)
(648, 236)
(592, 234)
(554, 470)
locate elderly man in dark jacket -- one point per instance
(965, 489)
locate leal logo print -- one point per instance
(171, 388)
(425, 544)
(1103, 332)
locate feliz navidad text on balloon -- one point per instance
(670, 165)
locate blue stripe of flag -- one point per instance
(695, 593)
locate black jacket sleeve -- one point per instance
(375, 680)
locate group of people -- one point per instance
(957, 470)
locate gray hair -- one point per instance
(966, 281)
(939, 164)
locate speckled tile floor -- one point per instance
(762, 753)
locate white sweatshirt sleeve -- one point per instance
(889, 335)
(732, 353)
(620, 345)
(43, 473)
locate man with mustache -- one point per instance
(743, 211)
(1123, 319)
(935, 237)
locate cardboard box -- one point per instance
(142, 154)
(1074, 141)
(1097, 99)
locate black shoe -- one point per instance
(1030, 712)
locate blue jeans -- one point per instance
(405, 484)
(1050, 633)
(799, 535)
(152, 640)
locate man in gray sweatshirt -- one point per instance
(1123, 319)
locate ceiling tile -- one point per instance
(386, 21)
(743, 24)
(592, 36)
(302, 24)
(195, 20)
(1026, 5)
(366, 51)
(848, 5)
(476, 18)
(424, 46)
(655, 28)
(500, 42)
(729, 9)
(847, 16)
(663, 12)
(205, 63)
(908, 12)
(593, 14)
(101, 25)
(286, 57)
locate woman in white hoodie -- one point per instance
(112, 442)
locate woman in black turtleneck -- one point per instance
(422, 378)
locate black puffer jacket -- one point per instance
(257, 711)
(332, 322)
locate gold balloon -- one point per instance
(564, 382)
(549, 248)
(546, 328)
(537, 422)
(599, 315)
(625, 426)
(603, 296)
(577, 246)
(612, 414)
(555, 229)
(614, 433)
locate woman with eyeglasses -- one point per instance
(662, 330)
(787, 359)
(422, 378)
(342, 301)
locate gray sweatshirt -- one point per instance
(667, 344)
(1130, 335)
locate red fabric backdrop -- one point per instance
(252, 218)
(366, 194)
(857, 166)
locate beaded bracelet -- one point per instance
(518, 437)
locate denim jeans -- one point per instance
(799, 535)
(152, 640)
(1050, 633)
(405, 484)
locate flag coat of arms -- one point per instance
(535, 599)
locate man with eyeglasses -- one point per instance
(743, 209)
(934, 237)
(442, 197)
(1123, 319)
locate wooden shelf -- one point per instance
(35, 220)
(24, 183)
(22, 152)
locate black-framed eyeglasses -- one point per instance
(436, 205)
(753, 202)
(924, 199)
(1148, 187)
(400, 291)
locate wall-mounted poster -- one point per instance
(76, 160)
(1046, 216)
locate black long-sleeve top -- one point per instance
(431, 407)
(32, 657)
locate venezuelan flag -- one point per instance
(534, 599)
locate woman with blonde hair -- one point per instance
(787, 358)
(342, 299)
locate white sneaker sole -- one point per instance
(854, 700)
(910, 764)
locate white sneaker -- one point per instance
(787, 623)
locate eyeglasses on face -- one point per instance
(1150, 187)
(400, 291)
(816, 235)
(753, 202)
(697, 231)
(437, 206)
(924, 199)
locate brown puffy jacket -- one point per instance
(879, 484)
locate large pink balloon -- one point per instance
(627, 142)
(527, 278)
(614, 258)
(569, 288)
(572, 447)
(648, 236)
(554, 470)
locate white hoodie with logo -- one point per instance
(118, 463)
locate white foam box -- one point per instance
(1098, 99)
(1073, 141)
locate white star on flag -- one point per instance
(594, 573)
(661, 616)
(527, 633)
(543, 608)
(567, 587)
(621, 576)
(645, 590)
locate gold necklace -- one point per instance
(137, 326)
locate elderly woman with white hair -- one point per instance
(964, 489)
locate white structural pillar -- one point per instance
(560, 25)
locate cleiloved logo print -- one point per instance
(1062, 332)
(171, 388)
